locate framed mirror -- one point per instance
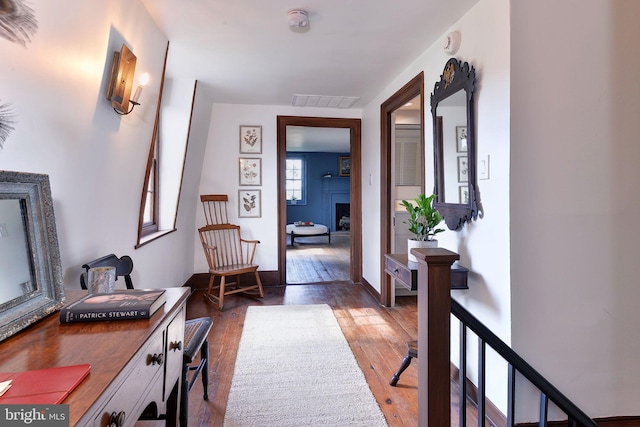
(452, 108)
(31, 285)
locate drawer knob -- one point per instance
(155, 359)
(117, 420)
(175, 346)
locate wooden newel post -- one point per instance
(434, 308)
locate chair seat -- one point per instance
(195, 333)
(234, 269)
(196, 341)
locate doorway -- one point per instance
(414, 89)
(355, 188)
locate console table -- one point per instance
(135, 365)
(405, 272)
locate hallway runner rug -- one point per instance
(294, 368)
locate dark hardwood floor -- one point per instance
(377, 335)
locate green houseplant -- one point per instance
(424, 217)
(423, 223)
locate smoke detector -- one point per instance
(298, 19)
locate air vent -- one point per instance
(324, 101)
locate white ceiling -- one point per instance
(243, 51)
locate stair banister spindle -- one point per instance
(544, 409)
(482, 381)
(511, 396)
(462, 377)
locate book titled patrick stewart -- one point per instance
(120, 305)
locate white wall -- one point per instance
(220, 172)
(574, 196)
(95, 158)
(484, 244)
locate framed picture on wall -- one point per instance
(250, 171)
(344, 166)
(249, 203)
(461, 139)
(250, 139)
(463, 191)
(463, 169)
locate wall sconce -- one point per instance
(121, 81)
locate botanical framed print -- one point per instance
(463, 169)
(250, 139)
(463, 192)
(344, 166)
(249, 203)
(250, 171)
(461, 139)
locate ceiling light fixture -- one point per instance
(298, 19)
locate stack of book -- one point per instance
(303, 224)
(120, 305)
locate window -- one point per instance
(165, 163)
(295, 190)
(150, 201)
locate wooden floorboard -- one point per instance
(377, 336)
(314, 260)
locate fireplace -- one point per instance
(342, 216)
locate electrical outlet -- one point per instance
(3, 230)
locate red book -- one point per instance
(42, 386)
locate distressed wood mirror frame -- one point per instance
(27, 196)
(455, 161)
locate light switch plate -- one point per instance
(483, 166)
(3, 230)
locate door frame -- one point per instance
(409, 91)
(355, 196)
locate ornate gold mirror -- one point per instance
(453, 114)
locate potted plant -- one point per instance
(423, 222)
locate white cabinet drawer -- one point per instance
(132, 385)
(174, 347)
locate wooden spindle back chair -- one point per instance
(215, 208)
(229, 255)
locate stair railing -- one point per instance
(435, 307)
